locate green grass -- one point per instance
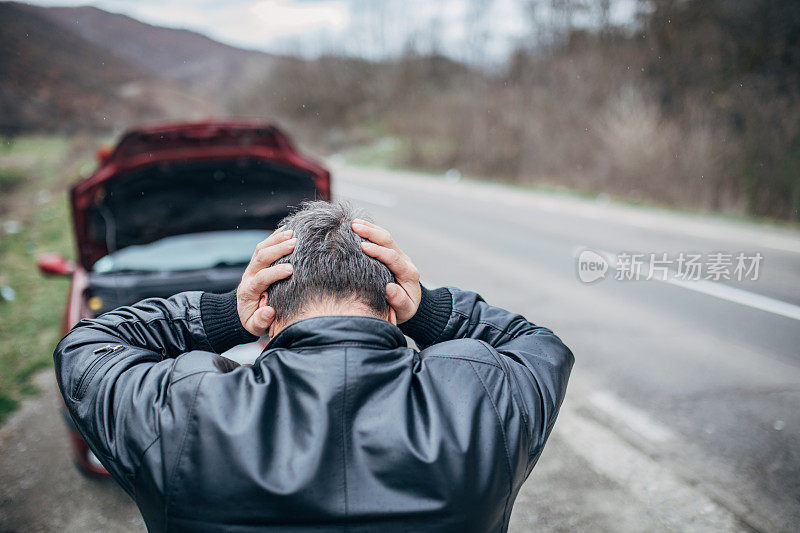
(385, 152)
(30, 324)
(10, 179)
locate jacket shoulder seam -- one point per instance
(505, 439)
(169, 487)
(510, 376)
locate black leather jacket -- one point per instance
(337, 426)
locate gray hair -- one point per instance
(329, 264)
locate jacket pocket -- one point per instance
(103, 354)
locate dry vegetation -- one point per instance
(695, 105)
(699, 107)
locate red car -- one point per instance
(174, 208)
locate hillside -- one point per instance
(205, 65)
(662, 114)
(55, 80)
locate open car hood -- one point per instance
(191, 178)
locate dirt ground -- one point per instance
(41, 490)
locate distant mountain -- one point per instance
(54, 79)
(69, 68)
(202, 64)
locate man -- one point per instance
(338, 425)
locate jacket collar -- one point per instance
(345, 330)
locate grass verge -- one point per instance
(33, 220)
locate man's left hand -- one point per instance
(405, 295)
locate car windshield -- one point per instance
(192, 251)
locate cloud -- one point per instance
(249, 23)
(284, 17)
(463, 29)
(256, 24)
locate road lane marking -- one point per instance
(366, 194)
(732, 294)
(634, 418)
(675, 501)
(718, 290)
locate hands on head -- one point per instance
(251, 295)
(405, 295)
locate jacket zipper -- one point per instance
(103, 355)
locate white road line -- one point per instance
(719, 290)
(732, 294)
(676, 503)
(366, 194)
(634, 418)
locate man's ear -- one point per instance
(392, 316)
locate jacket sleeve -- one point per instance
(534, 358)
(115, 371)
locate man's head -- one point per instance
(332, 275)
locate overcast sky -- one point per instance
(370, 28)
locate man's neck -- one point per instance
(327, 309)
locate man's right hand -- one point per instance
(405, 295)
(256, 316)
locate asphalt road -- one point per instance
(702, 377)
(682, 413)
